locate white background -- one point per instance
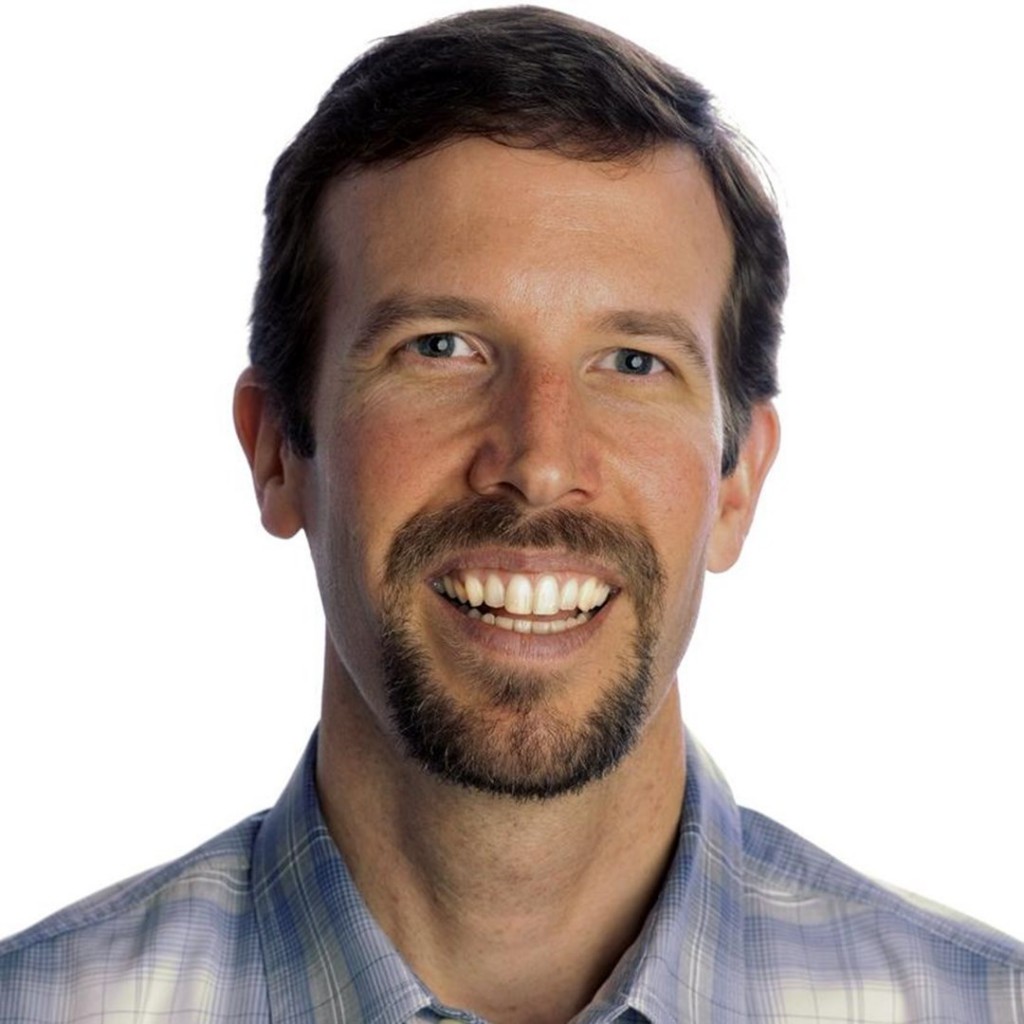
(858, 675)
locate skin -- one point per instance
(541, 898)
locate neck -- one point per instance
(540, 897)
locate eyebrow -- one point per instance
(671, 326)
(392, 312)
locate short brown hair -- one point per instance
(525, 77)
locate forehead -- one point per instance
(530, 230)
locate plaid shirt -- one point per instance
(263, 923)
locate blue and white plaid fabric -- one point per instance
(263, 923)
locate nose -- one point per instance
(538, 446)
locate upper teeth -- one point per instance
(526, 595)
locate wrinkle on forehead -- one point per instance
(532, 230)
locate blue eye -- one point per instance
(639, 364)
(442, 345)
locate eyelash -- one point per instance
(621, 357)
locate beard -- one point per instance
(518, 744)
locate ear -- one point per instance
(277, 472)
(739, 491)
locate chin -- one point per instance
(513, 741)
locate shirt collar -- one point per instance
(687, 966)
(327, 959)
(691, 965)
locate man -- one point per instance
(512, 366)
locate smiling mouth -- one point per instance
(538, 603)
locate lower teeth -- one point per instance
(528, 625)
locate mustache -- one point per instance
(428, 537)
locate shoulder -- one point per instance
(828, 929)
(175, 929)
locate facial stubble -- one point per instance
(514, 741)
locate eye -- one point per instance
(633, 362)
(442, 345)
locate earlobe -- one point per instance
(738, 493)
(276, 471)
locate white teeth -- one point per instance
(529, 625)
(570, 591)
(474, 590)
(546, 596)
(525, 595)
(588, 589)
(494, 592)
(518, 595)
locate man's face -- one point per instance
(516, 486)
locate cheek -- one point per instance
(388, 461)
(672, 474)
(370, 475)
(674, 492)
